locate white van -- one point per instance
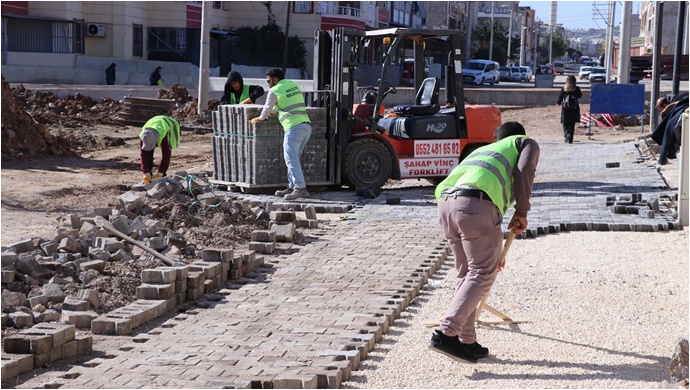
(559, 66)
(480, 72)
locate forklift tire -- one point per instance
(368, 164)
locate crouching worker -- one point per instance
(164, 132)
(471, 204)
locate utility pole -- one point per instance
(202, 103)
(523, 31)
(510, 36)
(552, 25)
(491, 39)
(468, 38)
(287, 36)
(609, 44)
(680, 33)
(623, 76)
(656, 63)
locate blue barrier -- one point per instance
(617, 99)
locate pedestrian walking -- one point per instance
(236, 92)
(569, 102)
(164, 132)
(110, 74)
(471, 204)
(286, 96)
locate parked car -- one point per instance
(559, 66)
(505, 74)
(597, 74)
(480, 72)
(584, 72)
(516, 73)
(527, 72)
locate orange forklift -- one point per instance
(368, 144)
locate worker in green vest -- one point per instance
(236, 92)
(286, 96)
(164, 132)
(471, 203)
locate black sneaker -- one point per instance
(451, 347)
(477, 350)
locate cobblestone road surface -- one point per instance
(306, 319)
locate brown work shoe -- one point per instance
(284, 192)
(296, 194)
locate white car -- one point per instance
(584, 72)
(597, 74)
(527, 71)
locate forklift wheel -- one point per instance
(367, 164)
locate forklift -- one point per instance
(369, 144)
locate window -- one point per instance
(137, 40)
(167, 40)
(216, 4)
(303, 7)
(43, 36)
(225, 5)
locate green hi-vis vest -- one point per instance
(291, 108)
(490, 169)
(244, 96)
(165, 125)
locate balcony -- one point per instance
(336, 16)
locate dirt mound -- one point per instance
(187, 106)
(23, 136)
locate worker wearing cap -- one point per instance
(237, 92)
(471, 204)
(286, 96)
(164, 132)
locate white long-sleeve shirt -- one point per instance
(271, 101)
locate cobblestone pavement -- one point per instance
(306, 319)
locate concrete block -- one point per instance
(264, 236)
(59, 333)
(98, 265)
(129, 201)
(70, 349)
(50, 315)
(54, 292)
(22, 246)
(20, 320)
(195, 279)
(73, 304)
(84, 344)
(284, 232)
(283, 216)
(307, 223)
(8, 258)
(109, 244)
(210, 269)
(158, 276)
(16, 364)
(262, 247)
(156, 243)
(7, 276)
(216, 255)
(69, 245)
(80, 319)
(211, 284)
(29, 266)
(91, 296)
(99, 254)
(120, 223)
(310, 212)
(120, 255)
(28, 343)
(194, 293)
(49, 247)
(155, 291)
(113, 326)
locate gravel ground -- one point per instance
(605, 310)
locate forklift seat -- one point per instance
(426, 100)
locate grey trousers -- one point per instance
(473, 229)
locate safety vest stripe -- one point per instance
(294, 107)
(295, 112)
(498, 156)
(173, 132)
(491, 168)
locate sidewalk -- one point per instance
(309, 318)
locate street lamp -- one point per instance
(491, 38)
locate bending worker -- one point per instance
(471, 204)
(236, 92)
(162, 131)
(287, 97)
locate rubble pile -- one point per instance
(23, 137)
(82, 266)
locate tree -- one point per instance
(559, 45)
(264, 46)
(481, 37)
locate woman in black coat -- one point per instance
(570, 107)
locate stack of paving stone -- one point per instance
(136, 111)
(40, 345)
(252, 155)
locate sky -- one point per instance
(577, 14)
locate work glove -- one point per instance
(158, 175)
(257, 119)
(246, 101)
(147, 178)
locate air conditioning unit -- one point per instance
(95, 30)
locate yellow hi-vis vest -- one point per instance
(165, 125)
(291, 108)
(243, 96)
(490, 169)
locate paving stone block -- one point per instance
(113, 326)
(49, 247)
(70, 245)
(284, 232)
(7, 276)
(8, 258)
(156, 243)
(109, 244)
(22, 246)
(194, 293)
(54, 292)
(210, 269)
(21, 320)
(263, 236)
(159, 276)
(28, 343)
(129, 201)
(262, 247)
(283, 216)
(155, 291)
(80, 319)
(99, 254)
(307, 223)
(73, 304)
(91, 296)
(16, 364)
(310, 212)
(70, 349)
(29, 266)
(216, 255)
(97, 265)
(84, 344)
(60, 333)
(195, 279)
